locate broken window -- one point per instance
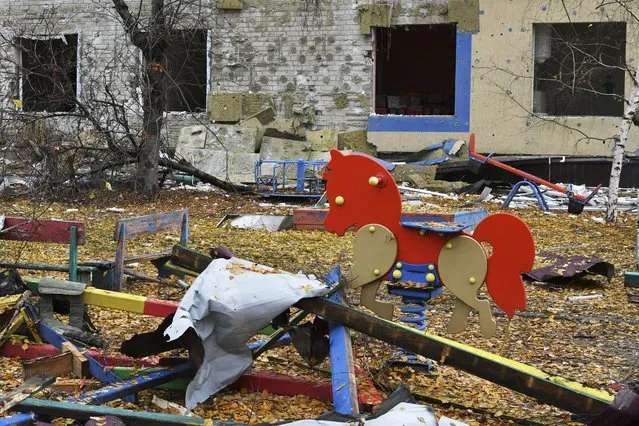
(186, 66)
(48, 73)
(579, 69)
(415, 70)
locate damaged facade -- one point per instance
(398, 75)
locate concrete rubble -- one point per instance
(230, 143)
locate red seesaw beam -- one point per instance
(532, 178)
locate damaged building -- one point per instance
(253, 79)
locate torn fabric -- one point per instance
(227, 304)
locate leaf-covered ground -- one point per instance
(591, 341)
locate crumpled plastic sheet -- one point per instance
(404, 414)
(227, 304)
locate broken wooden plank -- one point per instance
(176, 269)
(74, 410)
(56, 365)
(80, 364)
(15, 350)
(96, 369)
(151, 224)
(189, 259)
(9, 302)
(145, 257)
(30, 386)
(631, 279)
(120, 301)
(526, 379)
(75, 385)
(41, 231)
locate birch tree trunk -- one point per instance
(619, 151)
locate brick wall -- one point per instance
(310, 56)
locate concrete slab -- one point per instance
(325, 156)
(230, 137)
(225, 107)
(259, 130)
(323, 140)
(283, 149)
(289, 128)
(265, 116)
(236, 166)
(230, 4)
(356, 140)
(403, 172)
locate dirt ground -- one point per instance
(592, 341)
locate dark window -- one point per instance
(415, 70)
(579, 69)
(186, 71)
(49, 73)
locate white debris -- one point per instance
(557, 200)
(403, 414)
(265, 222)
(227, 304)
(447, 421)
(585, 297)
(427, 192)
(168, 405)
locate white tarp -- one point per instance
(403, 414)
(228, 303)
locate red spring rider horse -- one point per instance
(362, 193)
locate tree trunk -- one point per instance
(619, 151)
(205, 177)
(153, 102)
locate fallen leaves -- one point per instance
(593, 341)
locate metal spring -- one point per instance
(417, 308)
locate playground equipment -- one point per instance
(289, 178)
(363, 193)
(576, 202)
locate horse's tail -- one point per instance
(513, 252)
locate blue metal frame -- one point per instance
(535, 189)
(133, 385)
(304, 187)
(459, 122)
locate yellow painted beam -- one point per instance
(114, 300)
(8, 302)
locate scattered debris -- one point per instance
(564, 269)
(171, 406)
(576, 201)
(447, 421)
(226, 305)
(585, 297)
(271, 223)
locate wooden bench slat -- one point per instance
(41, 231)
(150, 224)
(146, 257)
